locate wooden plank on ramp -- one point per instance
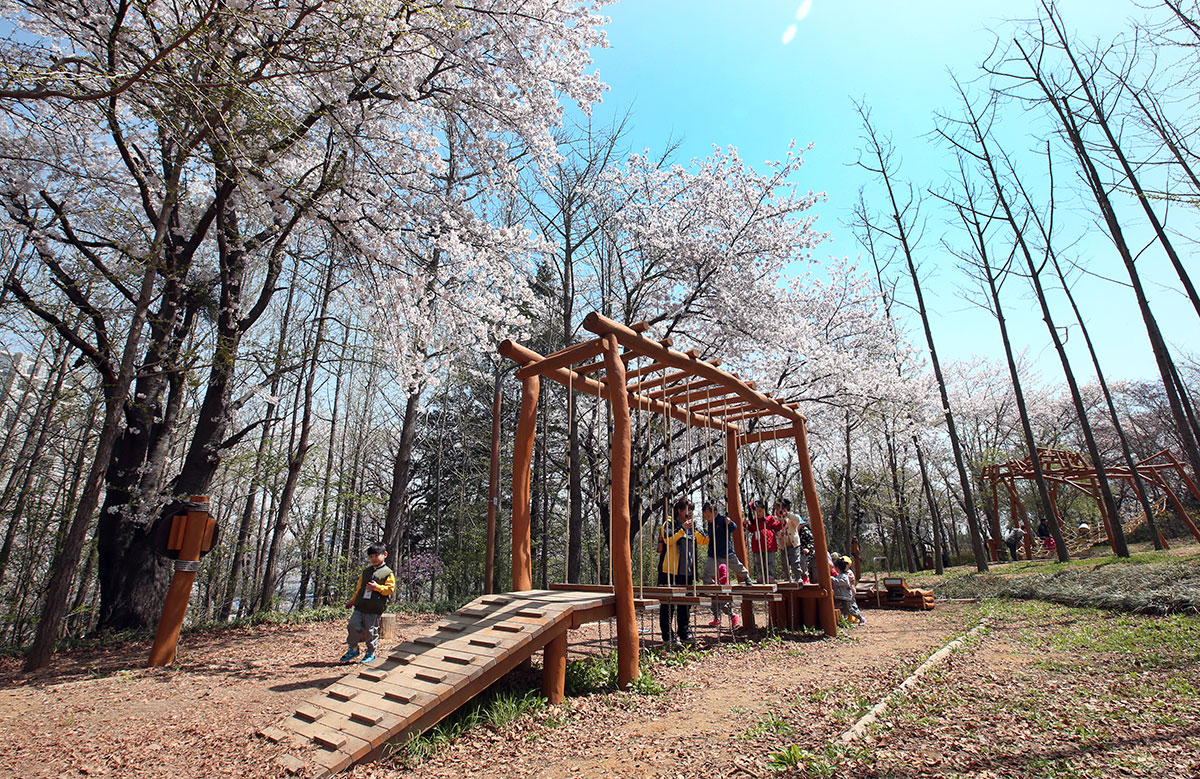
(419, 682)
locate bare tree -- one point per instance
(879, 161)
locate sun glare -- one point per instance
(801, 12)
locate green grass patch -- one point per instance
(598, 674)
(771, 724)
(1147, 583)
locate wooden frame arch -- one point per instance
(1062, 466)
(667, 394)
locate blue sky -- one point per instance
(721, 73)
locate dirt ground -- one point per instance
(100, 713)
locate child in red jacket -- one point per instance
(763, 545)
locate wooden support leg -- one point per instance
(817, 524)
(620, 464)
(554, 669)
(808, 612)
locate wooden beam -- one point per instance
(713, 401)
(751, 413)
(770, 435)
(567, 377)
(626, 356)
(680, 389)
(563, 358)
(592, 367)
(692, 388)
(599, 324)
(661, 380)
(645, 370)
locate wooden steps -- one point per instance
(421, 681)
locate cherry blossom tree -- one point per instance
(161, 159)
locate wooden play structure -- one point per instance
(423, 680)
(1061, 466)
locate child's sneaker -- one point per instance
(369, 657)
(351, 653)
(716, 623)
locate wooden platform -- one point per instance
(421, 681)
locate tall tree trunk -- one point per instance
(1095, 184)
(29, 456)
(298, 455)
(117, 382)
(984, 154)
(933, 518)
(971, 221)
(849, 487)
(401, 465)
(902, 235)
(898, 496)
(235, 588)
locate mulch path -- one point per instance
(100, 713)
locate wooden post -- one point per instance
(733, 504)
(620, 463)
(856, 555)
(1054, 507)
(808, 612)
(554, 669)
(1020, 518)
(1179, 509)
(995, 508)
(815, 521)
(522, 564)
(194, 528)
(1161, 538)
(994, 543)
(489, 565)
(1108, 534)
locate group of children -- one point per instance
(779, 532)
(771, 534)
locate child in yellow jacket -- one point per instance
(375, 585)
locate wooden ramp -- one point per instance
(421, 681)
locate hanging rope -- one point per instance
(596, 478)
(574, 464)
(637, 427)
(608, 437)
(688, 436)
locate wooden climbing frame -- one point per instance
(680, 386)
(1061, 466)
